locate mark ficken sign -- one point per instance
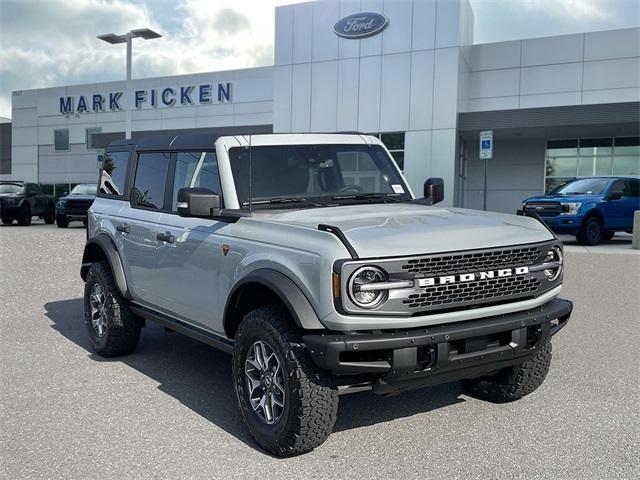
(204, 94)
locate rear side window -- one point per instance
(150, 180)
(114, 173)
(619, 186)
(634, 188)
(195, 169)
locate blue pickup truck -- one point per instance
(591, 208)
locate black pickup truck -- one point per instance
(23, 200)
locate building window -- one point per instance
(47, 189)
(61, 139)
(395, 144)
(587, 157)
(61, 189)
(89, 132)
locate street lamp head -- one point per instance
(145, 33)
(112, 38)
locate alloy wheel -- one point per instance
(98, 304)
(265, 382)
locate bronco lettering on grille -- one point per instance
(470, 277)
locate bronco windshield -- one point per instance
(584, 186)
(10, 188)
(315, 175)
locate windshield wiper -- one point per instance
(368, 196)
(282, 201)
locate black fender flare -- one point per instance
(103, 242)
(289, 293)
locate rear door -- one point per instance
(632, 203)
(188, 263)
(137, 225)
(617, 211)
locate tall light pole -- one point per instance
(127, 38)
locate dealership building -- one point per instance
(406, 70)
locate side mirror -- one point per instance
(434, 189)
(198, 202)
(615, 195)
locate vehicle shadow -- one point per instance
(199, 377)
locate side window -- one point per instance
(195, 169)
(619, 186)
(150, 180)
(634, 188)
(113, 173)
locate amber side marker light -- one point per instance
(336, 285)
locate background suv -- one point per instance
(592, 208)
(22, 200)
(75, 205)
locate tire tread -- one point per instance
(513, 383)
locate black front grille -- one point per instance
(78, 204)
(480, 291)
(544, 209)
(473, 261)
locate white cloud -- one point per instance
(46, 43)
(577, 9)
(52, 42)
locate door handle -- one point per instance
(166, 237)
(123, 227)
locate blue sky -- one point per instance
(52, 42)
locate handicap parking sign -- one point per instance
(486, 144)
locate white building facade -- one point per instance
(559, 107)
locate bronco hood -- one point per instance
(383, 230)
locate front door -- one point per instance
(189, 258)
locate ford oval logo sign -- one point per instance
(361, 25)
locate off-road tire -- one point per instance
(62, 221)
(123, 326)
(24, 220)
(311, 399)
(50, 216)
(512, 383)
(590, 232)
(7, 221)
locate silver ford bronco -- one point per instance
(308, 258)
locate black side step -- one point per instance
(184, 328)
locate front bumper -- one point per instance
(408, 359)
(13, 209)
(567, 224)
(72, 213)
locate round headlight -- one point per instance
(554, 256)
(363, 277)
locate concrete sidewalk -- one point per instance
(620, 243)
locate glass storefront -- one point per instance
(586, 157)
(57, 190)
(395, 144)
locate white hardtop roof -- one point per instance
(297, 139)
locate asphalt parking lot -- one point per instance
(168, 410)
